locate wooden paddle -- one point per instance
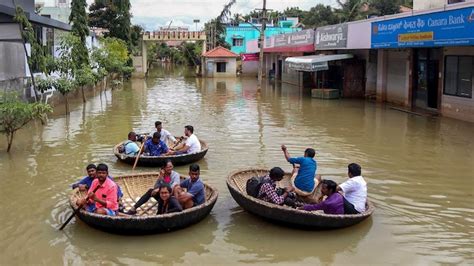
(139, 152)
(76, 211)
(177, 143)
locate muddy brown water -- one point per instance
(419, 172)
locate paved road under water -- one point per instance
(419, 171)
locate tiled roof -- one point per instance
(220, 51)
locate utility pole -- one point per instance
(261, 42)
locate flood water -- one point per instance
(419, 171)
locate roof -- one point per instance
(34, 18)
(220, 51)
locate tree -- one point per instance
(112, 15)
(84, 77)
(351, 10)
(215, 29)
(113, 56)
(62, 84)
(78, 18)
(320, 15)
(15, 114)
(294, 12)
(135, 36)
(384, 7)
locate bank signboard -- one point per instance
(331, 37)
(298, 38)
(446, 28)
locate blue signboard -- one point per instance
(446, 28)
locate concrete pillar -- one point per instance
(381, 87)
(144, 57)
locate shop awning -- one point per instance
(312, 63)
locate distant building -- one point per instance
(429, 4)
(13, 66)
(237, 36)
(220, 62)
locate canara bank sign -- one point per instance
(330, 37)
(447, 28)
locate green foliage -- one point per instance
(67, 63)
(84, 77)
(216, 28)
(113, 56)
(114, 16)
(62, 84)
(37, 56)
(385, 7)
(320, 15)
(78, 17)
(15, 114)
(135, 36)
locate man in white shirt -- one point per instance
(166, 136)
(192, 144)
(355, 190)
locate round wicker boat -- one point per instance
(236, 182)
(145, 221)
(160, 160)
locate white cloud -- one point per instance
(155, 13)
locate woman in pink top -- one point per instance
(104, 200)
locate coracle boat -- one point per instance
(236, 182)
(146, 221)
(160, 160)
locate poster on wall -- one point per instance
(446, 28)
(250, 57)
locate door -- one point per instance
(425, 79)
(210, 69)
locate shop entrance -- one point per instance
(425, 79)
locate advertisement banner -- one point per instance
(331, 37)
(250, 57)
(446, 28)
(298, 38)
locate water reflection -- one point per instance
(272, 243)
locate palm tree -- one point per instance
(351, 10)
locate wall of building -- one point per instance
(458, 107)
(428, 4)
(231, 68)
(398, 77)
(250, 68)
(13, 61)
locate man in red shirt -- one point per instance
(104, 200)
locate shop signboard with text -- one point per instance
(446, 28)
(298, 38)
(250, 57)
(331, 37)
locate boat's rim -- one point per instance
(204, 148)
(212, 200)
(231, 183)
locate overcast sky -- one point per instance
(155, 13)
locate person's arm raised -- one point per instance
(285, 152)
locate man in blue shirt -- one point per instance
(130, 147)
(155, 147)
(194, 194)
(304, 181)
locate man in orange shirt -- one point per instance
(104, 200)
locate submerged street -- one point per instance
(418, 169)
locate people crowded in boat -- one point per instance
(86, 182)
(155, 146)
(165, 135)
(167, 177)
(303, 180)
(192, 144)
(102, 195)
(269, 191)
(130, 147)
(190, 191)
(334, 202)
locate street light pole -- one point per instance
(261, 42)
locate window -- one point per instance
(220, 67)
(237, 42)
(455, 1)
(458, 76)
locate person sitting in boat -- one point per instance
(155, 147)
(303, 179)
(167, 177)
(167, 203)
(334, 202)
(355, 190)
(165, 135)
(268, 190)
(129, 147)
(104, 199)
(85, 183)
(192, 144)
(190, 192)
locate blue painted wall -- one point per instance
(247, 32)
